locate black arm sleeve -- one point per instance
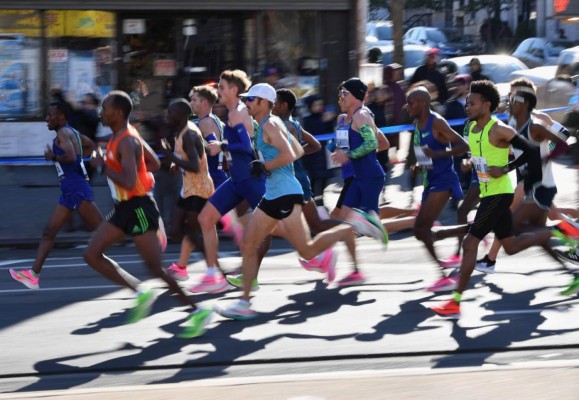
(529, 152)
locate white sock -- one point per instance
(211, 271)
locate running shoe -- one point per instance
(232, 227)
(143, 302)
(352, 279)
(568, 255)
(485, 265)
(453, 261)
(196, 323)
(178, 273)
(210, 284)
(572, 288)
(445, 284)
(237, 281)
(27, 277)
(240, 310)
(311, 265)
(450, 309)
(569, 227)
(328, 263)
(376, 221)
(362, 223)
(564, 238)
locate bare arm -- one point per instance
(127, 151)
(64, 137)
(88, 146)
(312, 144)
(445, 134)
(275, 135)
(191, 145)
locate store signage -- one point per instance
(57, 55)
(80, 23)
(164, 68)
(134, 26)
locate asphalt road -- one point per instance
(71, 333)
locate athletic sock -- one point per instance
(211, 271)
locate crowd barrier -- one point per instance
(387, 130)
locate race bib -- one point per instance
(59, 171)
(482, 169)
(421, 158)
(342, 139)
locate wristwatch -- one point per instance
(223, 146)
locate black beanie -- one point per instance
(356, 87)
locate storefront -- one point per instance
(157, 50)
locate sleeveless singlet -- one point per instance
(282, 180)
(485, 154)
(144, 182)
(439, 168)
(215, 163)
(69, 173)
(194, 183)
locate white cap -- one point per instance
(261, 90)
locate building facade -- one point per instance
(157, 50)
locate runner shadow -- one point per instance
(412, 314)
(509, 330)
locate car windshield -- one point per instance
(436, 36)
(384, 32)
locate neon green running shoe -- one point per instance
(196, 324)
(564, 238)
(572, 288)
(143, 303)
(237, 281)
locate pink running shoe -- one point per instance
(233, 228)
(210, 284)
(328, 263)
(352, 279)
(444, 284)
(453, 261)
(311, 265)
(177, 272)
(26, 276)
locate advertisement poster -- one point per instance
(13, 76)
(81, 68)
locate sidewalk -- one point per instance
(413, 384)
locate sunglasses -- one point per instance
(343, 93)
(249, 99)
(515, 98)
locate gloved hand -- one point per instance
(257, 168)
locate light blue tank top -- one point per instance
(282, 181)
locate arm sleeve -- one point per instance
(244, 144)
(370, 143)
(529, 152)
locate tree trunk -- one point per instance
(396, 10)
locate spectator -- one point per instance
(429, 72)
(476, 70)
(318, 123)
(396, 112)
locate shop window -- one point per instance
(20, 78)
(288, 51)
(80, 52)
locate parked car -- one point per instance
(379, 33)
(554, 83)
(537, 51)
(497, 67)
(414, 54)
(436, 38)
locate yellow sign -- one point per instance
(80, 23)
(25, 22)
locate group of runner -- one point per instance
(267, 191)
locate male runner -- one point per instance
(127, 167)
(435, 145)
(238, 151)
(190, 157)
(76, 193)
(282, 201)
(489, 141)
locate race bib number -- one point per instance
(482, 169)
(59, 170)
(421, 158)
(342, 139)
